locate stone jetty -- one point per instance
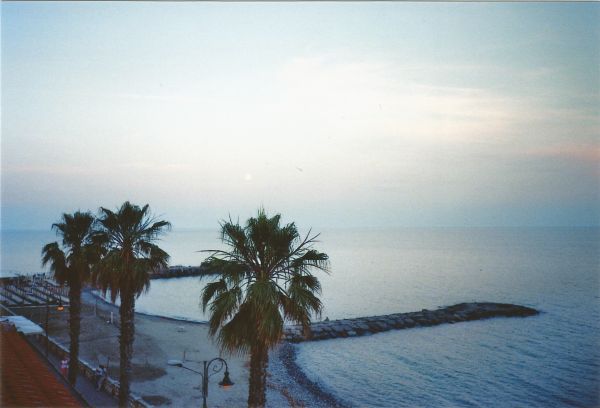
(374, 324)
(179, 271)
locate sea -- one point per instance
(549, 360)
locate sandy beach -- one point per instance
(160, 339)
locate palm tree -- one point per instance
(264, 278)
(71, 266)
(129, 237)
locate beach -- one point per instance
(160, 339)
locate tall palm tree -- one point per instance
(70, 265)
(264, 278)
(129, 236)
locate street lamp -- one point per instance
(225, 383)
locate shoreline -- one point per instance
(287, 355)
(285, 376)
(288, 378)
(160, 338)
(92, 293)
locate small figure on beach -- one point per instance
(101, 374)
(64, 366)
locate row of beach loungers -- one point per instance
(34, 290)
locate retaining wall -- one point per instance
(110, 386)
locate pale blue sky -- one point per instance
(334, 114)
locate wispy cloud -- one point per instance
(375, 97)
(97, 169)
(569, 151)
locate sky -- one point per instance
(358, 114)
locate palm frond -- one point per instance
(71, 263)
(238, 334)
(224, 305)
(302, 291)
(127, 239)
(54, 257)
(210, 290)
(264, 278)
(311, 259)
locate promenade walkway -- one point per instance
(85, 387)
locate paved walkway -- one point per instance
(85, 387)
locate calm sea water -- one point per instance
(551, 360)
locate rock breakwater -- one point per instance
(374, 324)
(179, 271)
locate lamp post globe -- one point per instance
(226, 382)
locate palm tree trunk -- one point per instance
(74, 329)
(126, 311)
(259, 359)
